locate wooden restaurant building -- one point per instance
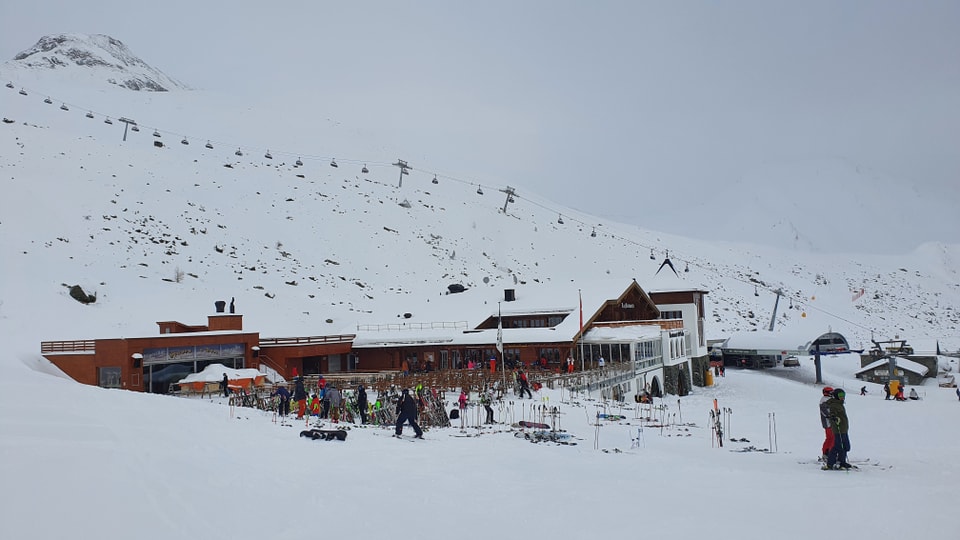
(657, 335)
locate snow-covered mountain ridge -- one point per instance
(314, 249)
(97, 56)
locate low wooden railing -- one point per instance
(305, 340)
(82, 345)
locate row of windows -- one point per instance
(549, 322)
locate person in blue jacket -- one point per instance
(283, 406)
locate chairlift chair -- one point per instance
(48, 101)
(511, 199)
(107, 120)
(593, 233)
(299, 162)
(208, 145)
(755, 291)
(134, 128)
(479, 191)
(63, 107)
(364, 170)
(652, 256)
(267, 155)
(434, 181)
(23, 92)
(687, 267)
(560, 219)
(89, 115)
(333, 162)
(9, 85)
(238, 152)
(156, 133)
(184, 141)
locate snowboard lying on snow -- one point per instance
(325, 434)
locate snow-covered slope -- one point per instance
(160, 232)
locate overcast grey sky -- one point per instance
(597, 105)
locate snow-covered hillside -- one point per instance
(317, 249)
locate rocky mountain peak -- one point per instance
(99, 55)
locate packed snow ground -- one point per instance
(86, 462)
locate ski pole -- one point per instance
(680, 411)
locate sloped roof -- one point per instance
(477, 305)
(902, 363)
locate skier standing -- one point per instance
(334, 395)
(837, 457)
(299, 395)
(524, 384)
(407, 412)
(362, 403)
(486, 398)
(825, 422)
(224, 386)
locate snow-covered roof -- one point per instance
(214, 373)
(477, 305)
(902, 363)
(769, 341)
(636, 332)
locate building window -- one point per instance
(444, 360)
(109, 377)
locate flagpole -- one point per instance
(503, 360)
(580, 294)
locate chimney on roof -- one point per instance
(220, 305)
(509, 295)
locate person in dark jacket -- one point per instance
(224, 386)
(407, 412)
(837, 457)
(300, 396)
(283, 406)
(362, 403)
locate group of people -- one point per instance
(326, 402)
(896, 390)
(833, 417)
